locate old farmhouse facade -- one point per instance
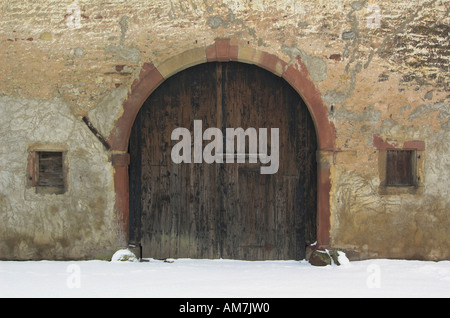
(251, 130)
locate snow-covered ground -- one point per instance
(189, 278)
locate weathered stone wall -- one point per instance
(382, 68)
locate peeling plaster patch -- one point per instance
(123, 28)
(125, 53)
(357, 5)
(106, 112)
(389, 127)
(332, 97)
(437, 167)
(215, 22)
(315, 65)
(429, 95)
(78, 52)
(369, 115)
(46, 36)
(395, 133)
(425, 109)
(348, 35)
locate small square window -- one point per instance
(46, 172)
(400, 168)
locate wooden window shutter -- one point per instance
(47, 172)
(400, 167)
(50, 169)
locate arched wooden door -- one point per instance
(223, 210)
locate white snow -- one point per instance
(124, 255)
(224, 278)
(342, 258)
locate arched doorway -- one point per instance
(223, 210)
(151, 76)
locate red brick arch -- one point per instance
(151, 76)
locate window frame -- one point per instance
(417, 175)
(34, 167)
(412, 178)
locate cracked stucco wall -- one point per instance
(382, 69)
(50, 226)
